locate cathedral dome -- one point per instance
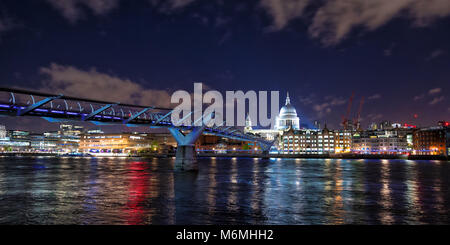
(288, 117)
(288, 111)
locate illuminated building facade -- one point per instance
(44, 143)
(121, 144)
(432, 141)
(47, 142)
(16, 141)
(343, 141)
(70, 130)
(390, 142)
(308, 141)
(2, 132)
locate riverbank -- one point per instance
(27, 154)
(301, 156)
(333, 156)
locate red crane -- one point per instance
(345, 117)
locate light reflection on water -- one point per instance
(224, 191)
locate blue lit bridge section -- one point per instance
(62, 108)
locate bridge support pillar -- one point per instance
(186, 156)
(265, 155)
(265, 148)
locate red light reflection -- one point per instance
(137, 194)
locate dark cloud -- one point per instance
(72, 81)
(335, 19)
(436, 53)
(435, 91)
(73, 10)
(436, 100)
(374, 97)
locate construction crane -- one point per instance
(345, 117)
(357, 121)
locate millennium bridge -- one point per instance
(61, 108)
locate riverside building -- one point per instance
(15, 141)
(98, 143)
(308, 141)
(343, 141)
(117, 144)
(388, 142)
(432, 140)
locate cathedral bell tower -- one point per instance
(248, 124)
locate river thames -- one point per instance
(48, 190)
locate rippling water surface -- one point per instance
(224, 191)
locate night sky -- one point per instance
(394, 53)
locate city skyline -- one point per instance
(141, 52)
(41, 125)
(251, 120)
